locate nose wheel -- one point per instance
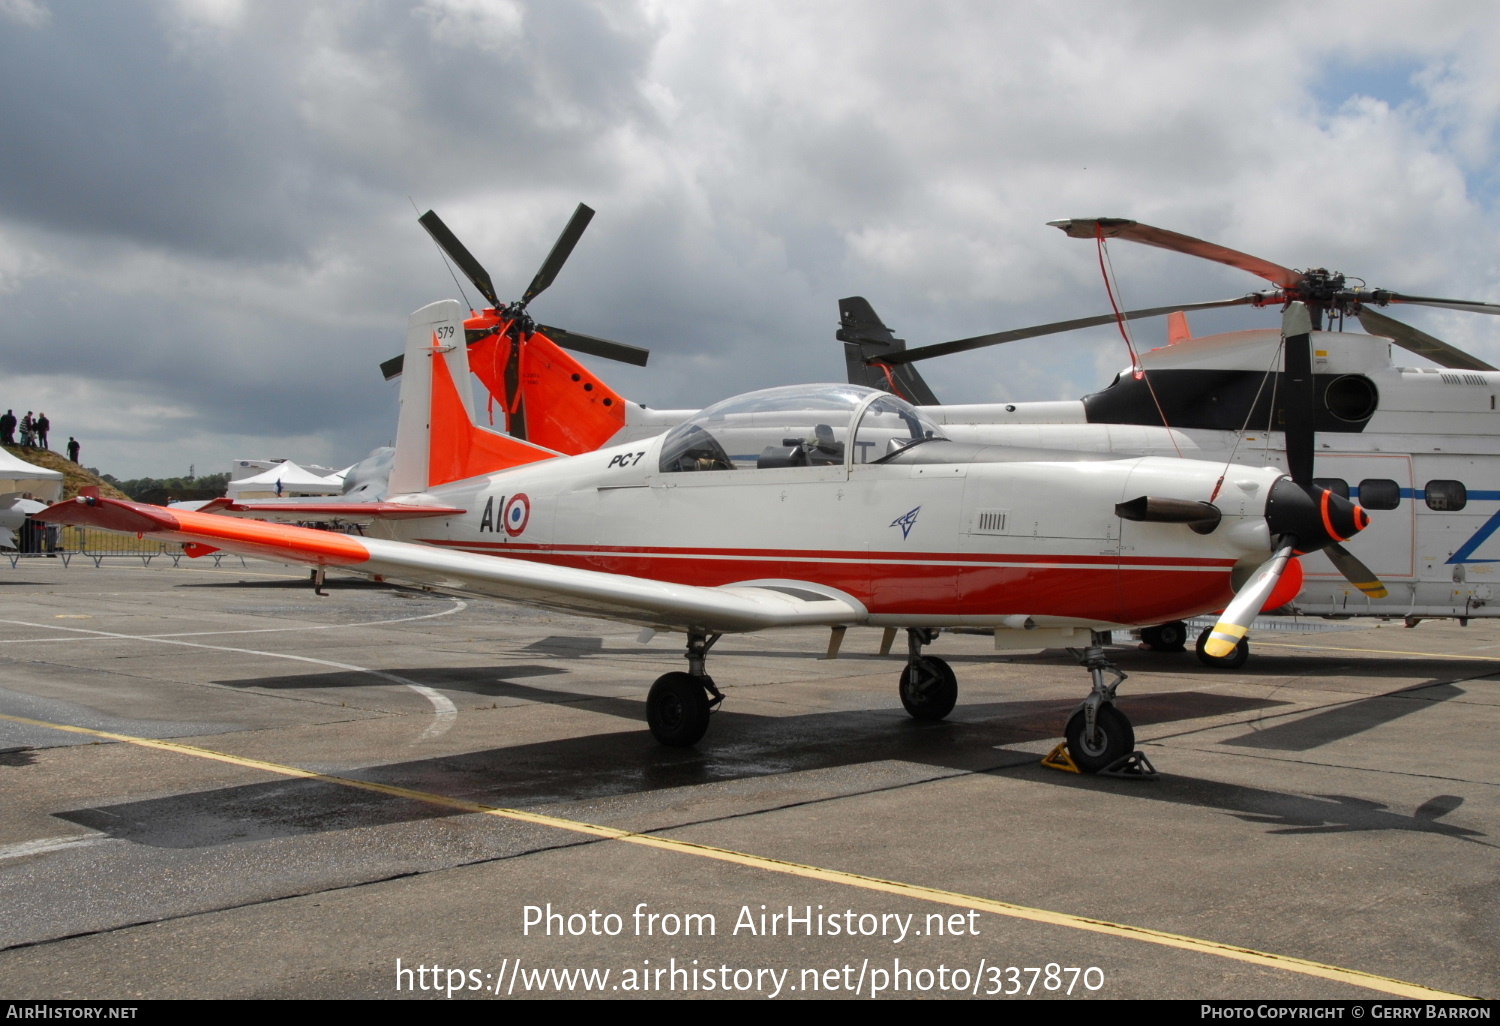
(1099, 737)
(1112, 739)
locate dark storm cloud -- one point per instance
(251, 145)
(204, 214)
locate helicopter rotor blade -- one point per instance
(591, 345)
(1404, 335)
(1468, 305)
(1134, 231)
(964, 345)
(448, 243)
(560, 253)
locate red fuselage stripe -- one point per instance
(925, 584)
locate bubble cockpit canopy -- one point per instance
(796, 426)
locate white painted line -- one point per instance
(45, 844)
(444, 711)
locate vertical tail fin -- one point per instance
(865, 340)
(437, 440)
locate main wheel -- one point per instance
(929, 689)
(1113, 739)
(1167, 637)
(677, 710)
(1233, 661)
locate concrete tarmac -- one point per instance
(390, 793)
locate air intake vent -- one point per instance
(990, 521)
(1463, 379)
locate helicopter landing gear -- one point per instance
(1167, 637)
(679, 704)
(929, 688)
(1098, 734)
(1233, 661)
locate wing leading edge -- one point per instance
(351, 512)
(747, 606)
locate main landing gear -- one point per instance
(1166, 637)
(929, 688)
(679, 704)
(1233, 661)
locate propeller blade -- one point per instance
(1134, 231)
(964, 345)
(1359, 575)
(1234, 622)
(1419, 342)
(448, 243)
(592, 346)
(560, 252)
(1296, 328)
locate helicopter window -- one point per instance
(1337, 485)
(1446, 496)
(890, 425)
(1379, 493)
(795, 426)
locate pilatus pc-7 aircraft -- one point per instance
(1418, 444)
(1418, 447)
(830, 505)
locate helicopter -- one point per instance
(1420, 445)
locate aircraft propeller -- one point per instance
(521, 324)
(1302, 516)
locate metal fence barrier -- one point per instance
(69, 542)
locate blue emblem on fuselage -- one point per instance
(906, 522)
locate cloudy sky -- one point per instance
(208, 241)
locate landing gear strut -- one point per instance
(1098, 734)
(679, 704)
(929, 688)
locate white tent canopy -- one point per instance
(283, 479)
(17, 475)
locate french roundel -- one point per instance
(517, 512)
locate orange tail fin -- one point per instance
(437, 440)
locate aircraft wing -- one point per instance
(740, 607)
(292, 510)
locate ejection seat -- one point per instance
(822, 450)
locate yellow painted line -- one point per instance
(1353, 977)
(1380, 651)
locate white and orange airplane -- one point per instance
(830, 505)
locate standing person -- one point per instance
(8, 427)
(26, 440)
(42, 425)
(73, 448)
